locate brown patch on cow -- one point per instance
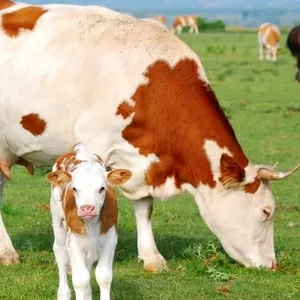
(74, 222)
(6, 4)
(273, 37)
(109, 212)
(125, 110)
(175, 112)
(24, 18)
(34, 124)
(253, 186)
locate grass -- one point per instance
(262, 101)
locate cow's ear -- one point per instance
(118, 176)
(231, 173)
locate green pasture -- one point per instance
(262, 100)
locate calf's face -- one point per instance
(88, 183)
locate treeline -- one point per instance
(205, 25)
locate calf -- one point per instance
(84, 216)
(268, 36)
(293, 44)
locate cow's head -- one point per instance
(88, 183)
(240, 209)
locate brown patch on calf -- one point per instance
(74, 222)
(34, 124)
(23, 18)
(67, 162)
(6, 4)
(175, 112)
(109, 212)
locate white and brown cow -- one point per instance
(73, 73)
(84, 213)
(185, 21)
(268, 36)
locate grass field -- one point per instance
(262, 101)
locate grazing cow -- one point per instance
(293, 44)
(84, 216)
(268, 39)
(185, 21)
(139, 97)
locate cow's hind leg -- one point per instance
(8, 254)
(147, 249)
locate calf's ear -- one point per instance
(58, 177)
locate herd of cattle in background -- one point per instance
(268, 37)
(137, 112)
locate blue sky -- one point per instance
(197, 4)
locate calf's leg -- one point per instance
(104, 269)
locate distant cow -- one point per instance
(293, 44)
(185, 21)
(268, 39)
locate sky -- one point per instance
(197, 4)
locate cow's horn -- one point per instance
(266, 174)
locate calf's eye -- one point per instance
(74, 190)
(101, 190)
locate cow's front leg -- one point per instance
(147, 249)
(8, 254)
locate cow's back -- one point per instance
(63, 79)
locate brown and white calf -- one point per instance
(185, 21)
(268, 36)
(139, 97)
(84, 213)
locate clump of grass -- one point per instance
(212, 259)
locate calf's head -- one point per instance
(88, 183)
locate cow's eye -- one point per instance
(74, 190)
(101, 190)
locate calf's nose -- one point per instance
(87, 208)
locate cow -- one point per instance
(139, 97)
(84, 214)
(293, 44)
(185, 21)
(268, 36)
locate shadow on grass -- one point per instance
(170, 246)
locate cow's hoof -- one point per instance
(9, 257)
(156, 266)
